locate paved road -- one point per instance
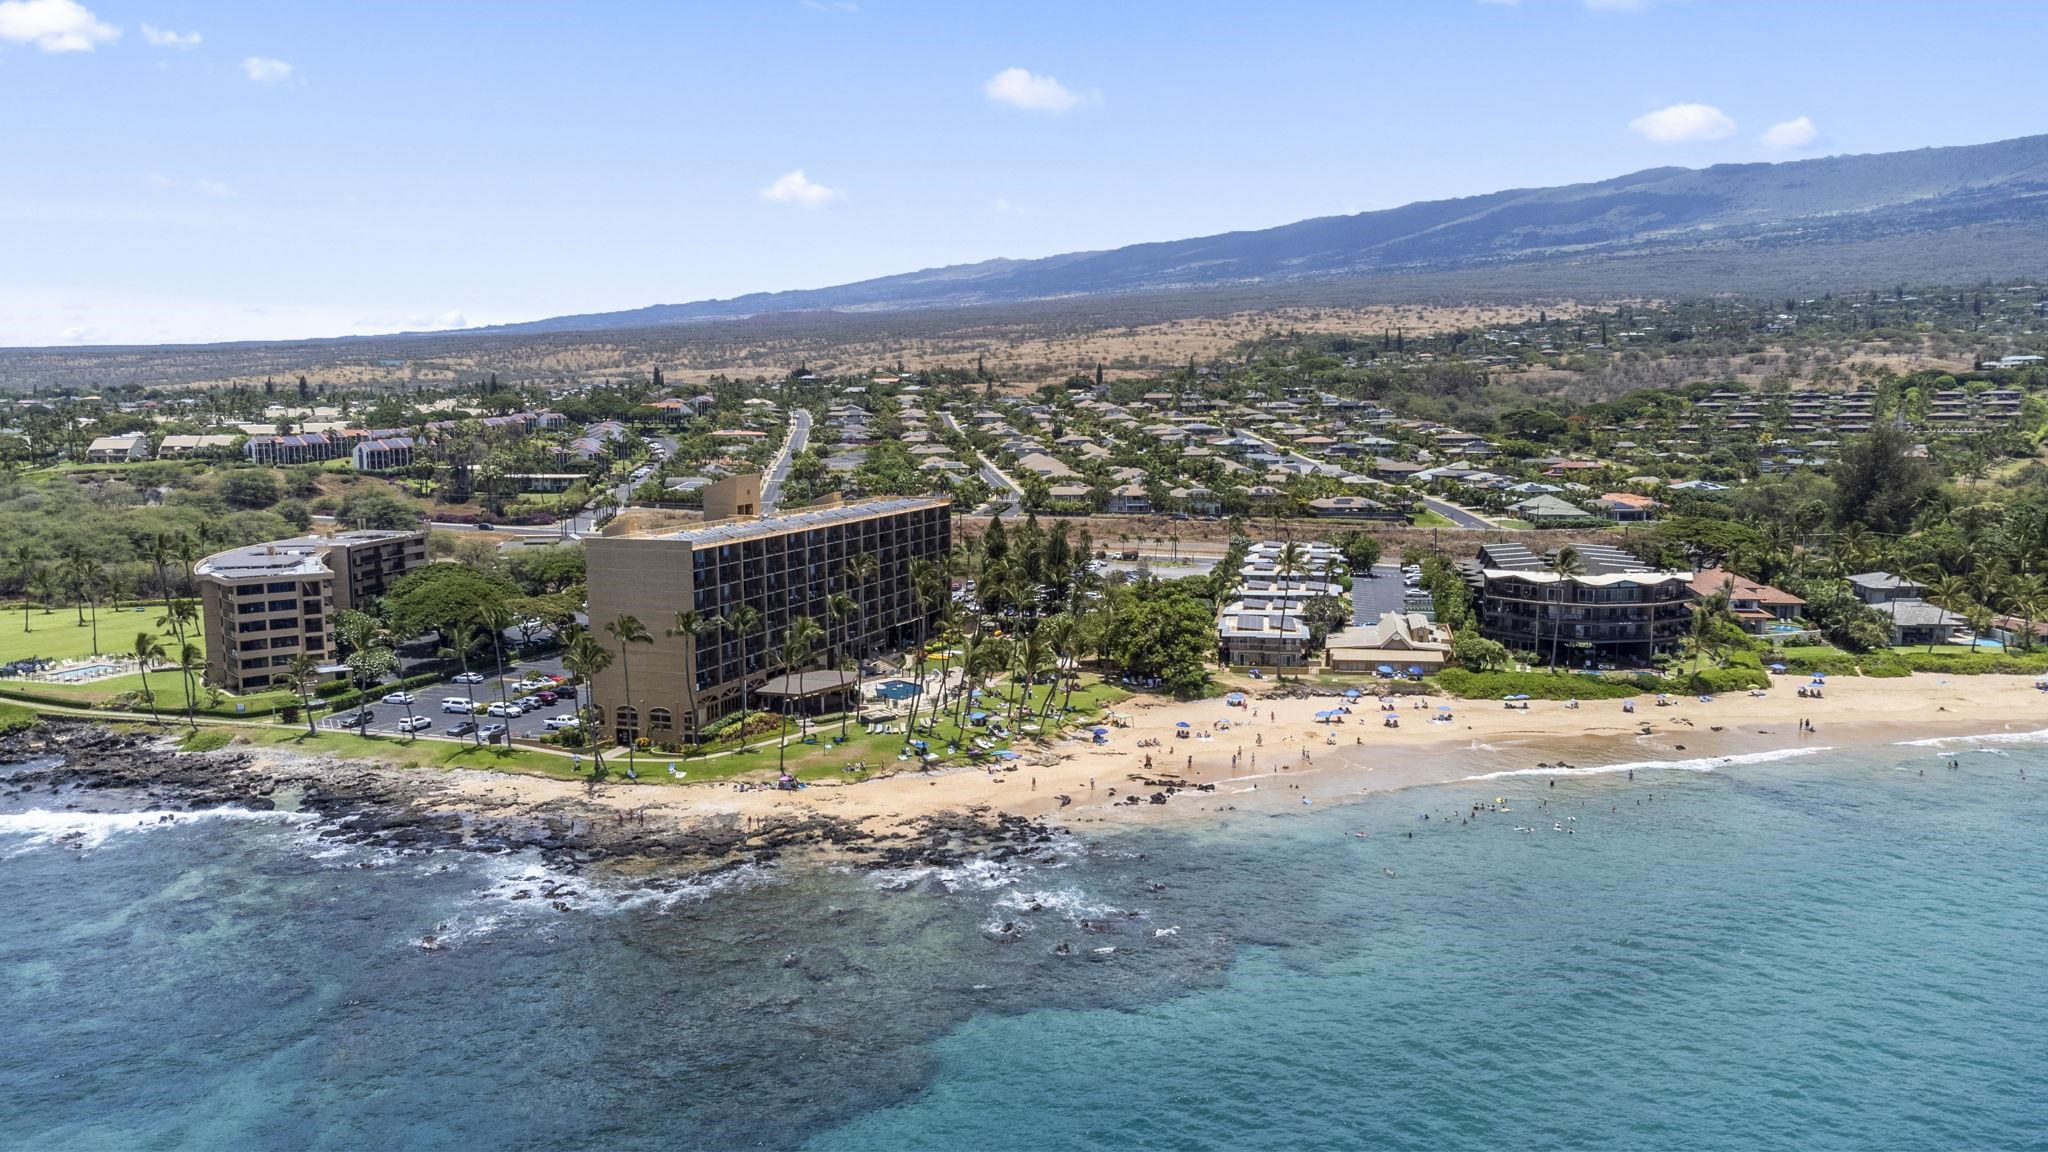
(778, 469)
(1010, 498)
(1456, 515)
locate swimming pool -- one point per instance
(898, 690)
(88, 672)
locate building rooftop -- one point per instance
(300, 556)
(800, 520)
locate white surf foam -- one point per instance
(2038, 737)
(91, 829)
(1695, 764)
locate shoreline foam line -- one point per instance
(1694, 764)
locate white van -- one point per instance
(458, 704)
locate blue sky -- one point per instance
(174, 171)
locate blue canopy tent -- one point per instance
(1386, 669)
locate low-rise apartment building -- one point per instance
(1616, 608)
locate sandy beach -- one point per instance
(1274, 753)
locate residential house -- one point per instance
(1759, 608)
(113, 449)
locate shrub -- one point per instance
(1470, 685)
(205, 740)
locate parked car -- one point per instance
(558, 723)
(491, 731)
(528, 703)
(505, 708)
(359, 719)
(468, 678)
(460, 728)
(414, 724)
(459, 705)
(399, 698)
(546, 696)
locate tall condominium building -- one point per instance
(1617, 609)
(262, 605)
(783, 566)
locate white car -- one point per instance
(558, 723)
(505, 709)
(533, 623)
(469, 678)
(490, 732)
(457, 704)
(414, 723)
(400, 698)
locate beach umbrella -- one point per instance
(1777, 667)
(1386, 669)
(1099, 732)
(1415, 669)
(1234, 698)
(977, 715)
(1181, 724)
(1443, 707)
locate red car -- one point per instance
(546, 697)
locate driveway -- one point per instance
(1455, 514)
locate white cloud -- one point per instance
(1020, 88)
(265, 70)
(165, 38)
(796, 188)
(1791, 135)
(54, 25)
(831, 5)
(1002, 205)
(1618, 5)
(1682, 123)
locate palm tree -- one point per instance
(77, 564)
(301, 674)
(1287, 566)
(2024, 596)
(627, 630)
(26, 565)
(798, 639)
(49, 588)
(689, 625)
(860, 569)
(840, 606)
(191, 662)
(743, 622)
(1033, 657)
(148, 650)
(457, 640)
(586, 658)
(1566, 564)
(1952, 593)
(494, 617)
(177, 615)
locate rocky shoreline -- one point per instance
(413, 809)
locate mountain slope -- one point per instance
(1873, 212)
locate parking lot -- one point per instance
(386, 718)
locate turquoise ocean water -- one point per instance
(1828, 951)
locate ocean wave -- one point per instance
(1071, 903)
(91, 829)
(1694, 764)
(2037, 737)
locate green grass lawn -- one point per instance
(57, 635)
(826, 760)
(1429, 519)
(414, 753)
